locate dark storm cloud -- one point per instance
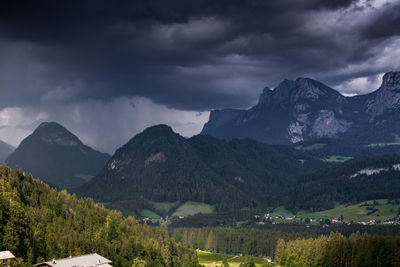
(385, 24)
(193, 55)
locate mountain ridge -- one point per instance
(160, 165)
(57, 156)
(304, 109)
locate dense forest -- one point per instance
(323, 189)
(262, 241)
(337, 250)
(247, 241)
(38, 223)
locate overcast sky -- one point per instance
(108, 69)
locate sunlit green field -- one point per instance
(150, 214)
(192, 208)
(281, 211)
(359, 212)
(164, 206)
(213, 259)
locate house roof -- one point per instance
(89, 260)
(5, 255)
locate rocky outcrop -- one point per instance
(305, 109)
(387, 97)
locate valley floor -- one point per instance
(210, 259)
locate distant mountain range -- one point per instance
(306, 109)
(159, 168)
(57, 156)
(5, 151)
(340, 155)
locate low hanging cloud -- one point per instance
(105, 126)
(17, 123)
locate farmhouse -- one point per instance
(89, 260)
(6, 257)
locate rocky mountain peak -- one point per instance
(391, 81)
(387, 97)
(54, 133)
(307, 88)
(304, 108)
(265, 95)
(300, 89)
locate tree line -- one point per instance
(296, 245)
(337, 250)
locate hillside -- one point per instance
(159, 166)
(5, 151)
(38, 223)
(158, 172)
(57, 156)
(354, 181)
(305, 109)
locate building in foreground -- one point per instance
(89, 260)
(6, 257)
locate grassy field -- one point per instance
(334, 158)
(314, 215)
(150, 214)
(311, 147)
(213, 259)
(281, 211)
(359, 212)
(364, 212)
(192, 208)
(164, 206)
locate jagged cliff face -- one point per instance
(386, 98)
(305, 109)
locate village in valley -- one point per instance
(373, 212)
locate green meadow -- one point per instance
(209, 259)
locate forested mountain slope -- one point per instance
(57, 156)
(160, 165)
(352, 182)
(38, 223)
